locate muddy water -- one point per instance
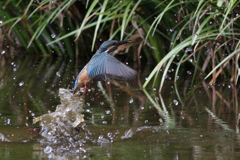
(121, 121)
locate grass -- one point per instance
(201, 37)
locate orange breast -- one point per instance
(83, 78)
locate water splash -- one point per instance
(65, 118)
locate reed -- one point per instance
(197, 37)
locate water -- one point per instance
(121, 121)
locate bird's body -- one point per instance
(103, 66)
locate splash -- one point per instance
(65, 120)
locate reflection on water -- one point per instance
(120, 120)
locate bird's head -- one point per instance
(111, 45)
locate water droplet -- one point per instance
(109, 134)
(127, 134)
(21, 84)
(3, 52)
(102, 103)
(229, 86)
(58, 74)
(53, 35)
(188, 50)
(131, 100)
(8, 121)
(189, 72)
(48, 149)
(107, 111)
(175, 102)
(104, 122)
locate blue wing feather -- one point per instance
(103, 66)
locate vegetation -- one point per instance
(198, 37)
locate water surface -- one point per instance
(124, 122)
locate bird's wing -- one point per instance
(105, 66)
(97, 65)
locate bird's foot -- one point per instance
(85, 90)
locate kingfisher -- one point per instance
(102, 66)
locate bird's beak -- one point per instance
(122, 42)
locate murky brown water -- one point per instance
(120, 120)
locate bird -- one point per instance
(103, 66)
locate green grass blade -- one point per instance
(90, 10)
(99, 22)
(124, 19)
(223, 61)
